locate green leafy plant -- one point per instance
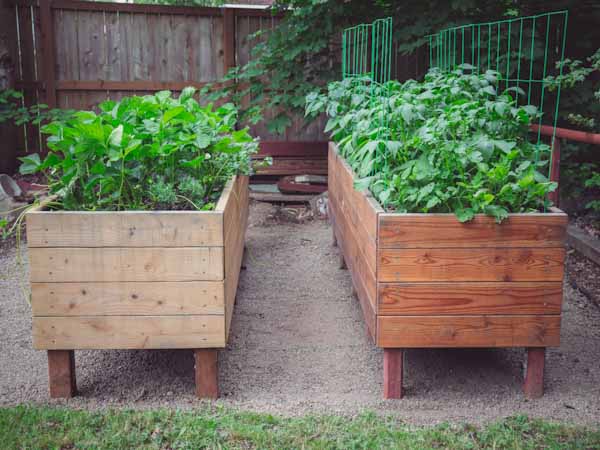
(151, 152)
(451, 143)
(580, 165)
(13, 110)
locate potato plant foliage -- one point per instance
(148, 153)
(451, 143)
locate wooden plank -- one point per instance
(361, 249)
(533, 386)
(300, 149)
(360, 280)
(393, 359)
(228, 39)
(48, 54)
(294, 166)
(444, 230)
(127, 298)
(365, 209)
(162, 38)
(128, 332)
(61, 373)
(138, 32)
(135, 8)
(205, 50)
(206, 373)
(66, 25)
(471, 264)
(354, 242)
(235, 221)
(218, 48)
(124, 229)
(92, 45)
(468, 331)
(115, 67)
(280, 198)
(469, 298)
(55, 265)
(136, 85)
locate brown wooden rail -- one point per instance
(563, 133)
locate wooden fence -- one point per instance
(75, 54)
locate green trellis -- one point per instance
(526, 52)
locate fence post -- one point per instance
(228, 39)
(49, 61)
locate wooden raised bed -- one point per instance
(429, 281)
(136, 280)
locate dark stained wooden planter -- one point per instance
(136, 280)
(429, 281)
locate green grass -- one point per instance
(44, 427)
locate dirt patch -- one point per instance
(298, 345)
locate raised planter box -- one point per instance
(136, 280)
(429, 281)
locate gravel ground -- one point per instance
(298, 345)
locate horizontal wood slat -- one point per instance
(444, 230)
(124, 229)
(294, 166)
(126, 264)
(468, 331)
(471, 264)
(127, 298)
(128, 332)
(293, 149)
(133, 85)
(469, 298)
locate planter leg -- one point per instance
(392, 373)
(343, 265)
(207, 385)
(61, 373)
(334, 241)
(353, 292)
(533, 387)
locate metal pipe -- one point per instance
(564, 133)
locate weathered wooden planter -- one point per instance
(428, 281)
(136, 280)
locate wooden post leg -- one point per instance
(207, 385)
(61, 373)
(392, 373)
(533, 387)
(342, 261)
